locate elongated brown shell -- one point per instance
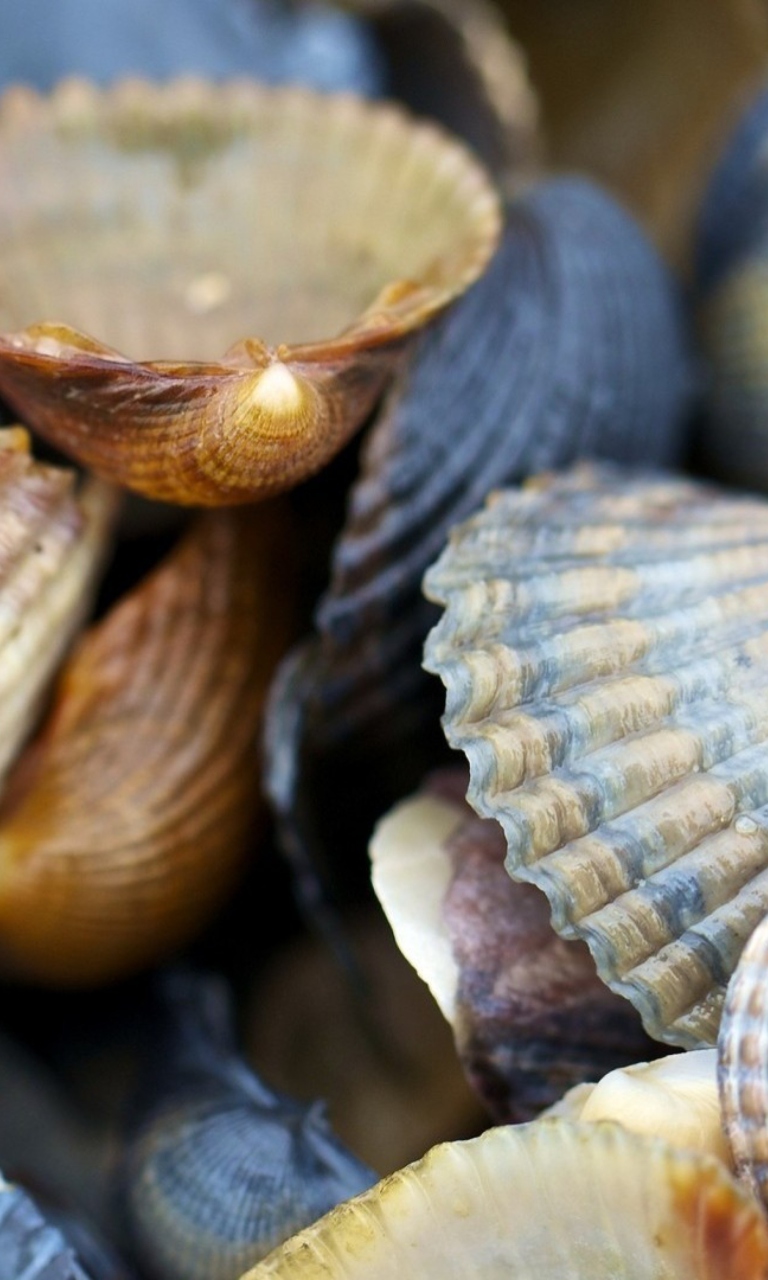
(334, 227)
(52, 541)
(125, 825)
(549, 1199)
(743, 1064)
(605, 654)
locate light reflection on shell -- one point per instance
(604, 650)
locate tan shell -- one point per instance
(545, 1200)
(125, 824)
(53, 539)
(605, 653)
(331, 227)
(743, 1064)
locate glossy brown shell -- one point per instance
(125, 824)
(335, 227)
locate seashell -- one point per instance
(219, 1169)
(732, 292)
(454, 60)
(125, 825)
(210, 184)
(529, 1013)
(53, 539)
(673, 1098)
(548, 1199)
(31, 1249)
(603, 653)
(573, 343)
(105, 39)
(388, 1073)
(742, 1073)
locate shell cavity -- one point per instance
(171, 394)
(603, 648)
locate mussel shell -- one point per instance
(572, 344)
(209, 185)
(604, 653)
(548, 1199)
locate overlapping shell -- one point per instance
(188, 201)
(732, 284)
(743, 1064)
(572, 344)
(125, 824)
(549, 1199)
(219, 1169)
(604, 650)
(528, 1010)
(53, 539)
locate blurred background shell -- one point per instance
(572, 344)
(30, 1247)
(125, 824)
(593, 1202)
(603, 647)
(190, 199)
(217, 1168)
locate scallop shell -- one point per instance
(219, 1169)
(549, 1199)
(125, 824)
(454, 60)
(732, 287)
(191, 200)
(573, 343)
(29, 1247)
(529, 1013)
(743, 1064)
(604, 653)
(53, 538)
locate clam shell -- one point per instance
(573, 343)
(189, 202)
(219, 1169)
(126, 823)
(53, 538)
(732, 291)
(549, 1199)
(743, 1065)
(604, 652)
(529, 1013)
(454, 60)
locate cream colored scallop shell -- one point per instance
(547, 1200)
(605, 653)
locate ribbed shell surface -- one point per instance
(548, 1200)
(604, 647)
(31, 1249)
(52, 542)
(572, 344)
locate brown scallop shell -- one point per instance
(546, 1200)
(125, 824)
(170, 222)
(53, 538)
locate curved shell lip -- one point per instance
(331, 384)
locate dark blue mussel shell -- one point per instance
(572, 345)
(218, 1169)
(731, 296)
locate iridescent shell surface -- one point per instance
(549, 1199)
(743, 1064)
(604, 647)
(189, 202)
